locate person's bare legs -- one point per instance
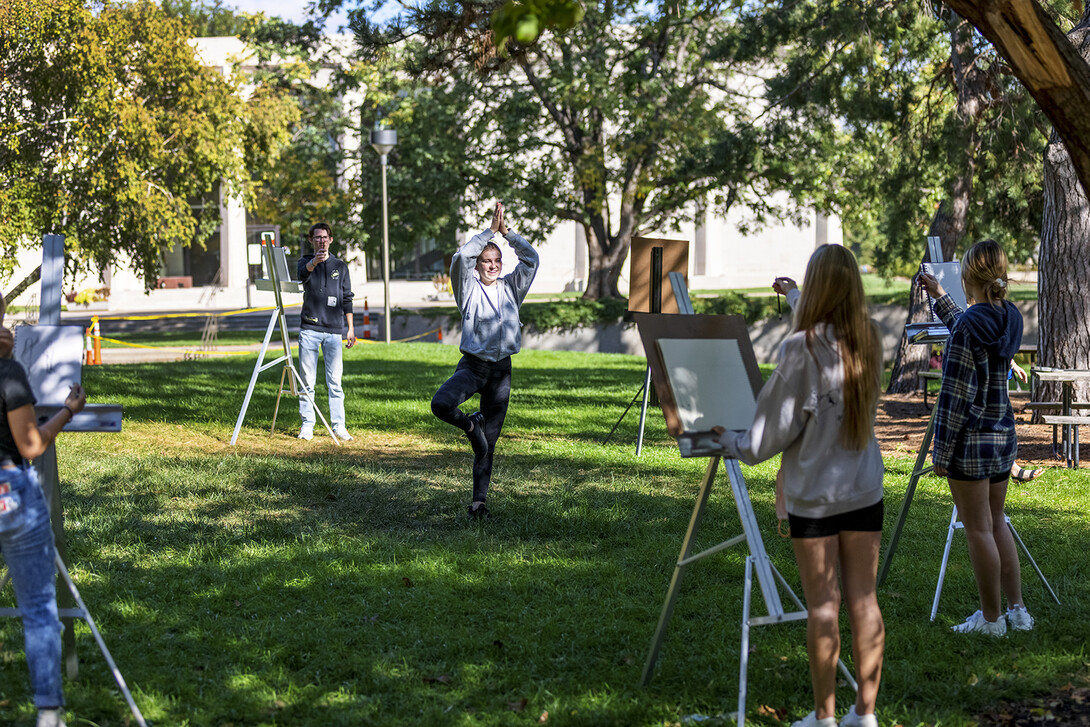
(1010, 570)
(859, 571)
(973, 500)
(817, 560)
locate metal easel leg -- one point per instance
(954, 525)
(679, 569)
(743, 666)
(253, 378)
(1032, 562)
(611, 431)
(643, 410)
(279, 393)
(918, 470)
(86, 616)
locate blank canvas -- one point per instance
(710, 383)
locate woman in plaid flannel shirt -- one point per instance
(975, 441)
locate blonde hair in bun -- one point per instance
(985, 266)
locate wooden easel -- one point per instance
(279, 281)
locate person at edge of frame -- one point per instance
(975, 438)
(326, 318)
(818, 409)
(26, 536)
(491, 334)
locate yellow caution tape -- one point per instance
(193, 315)
(170, 348)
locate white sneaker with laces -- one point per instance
(811, 720)
(306, 433)
(1018, 619)
(342, 434)
(976, 624)
(852, 719)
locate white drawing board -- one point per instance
(53, 359)
(710, 383)
(949, 276)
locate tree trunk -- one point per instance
(952, 218)
(1055, 73)
(1064, 268)
(605, 260)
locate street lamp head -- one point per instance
(383, 140)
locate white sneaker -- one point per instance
(306, 433)
(1018, 619)
(811, 720)
(342, 434)
(851, 719)
(51, 718)
(976, 624)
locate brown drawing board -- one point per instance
(653, 327)
(675, 259)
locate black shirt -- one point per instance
(15, 392)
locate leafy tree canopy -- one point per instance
(115, 135)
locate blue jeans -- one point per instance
(26, 541)
(330, 343)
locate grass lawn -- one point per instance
(281, 582)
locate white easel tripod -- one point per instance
(93, 418)
(656, 330)
(767, 578)
(279, 281)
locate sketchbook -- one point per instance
(949, 275)
(711, 388)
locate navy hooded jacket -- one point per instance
(974, 423)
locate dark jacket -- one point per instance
(327, 295)
(974, 423)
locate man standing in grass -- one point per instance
(325, 319)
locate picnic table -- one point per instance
(1068, 422)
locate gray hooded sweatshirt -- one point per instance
(491, 331)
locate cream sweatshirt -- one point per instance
(799, 412)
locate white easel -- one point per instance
(768, 576)
(93, 418)
(279, 281)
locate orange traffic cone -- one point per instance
(96, 334)
(366, 321)
(88, 353)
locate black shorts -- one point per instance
(955, 473)
(864, 520)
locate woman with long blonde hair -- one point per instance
(818, 409)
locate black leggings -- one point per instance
(492, 380)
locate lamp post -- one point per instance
(383, 141)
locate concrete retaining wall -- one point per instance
(624, 338)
